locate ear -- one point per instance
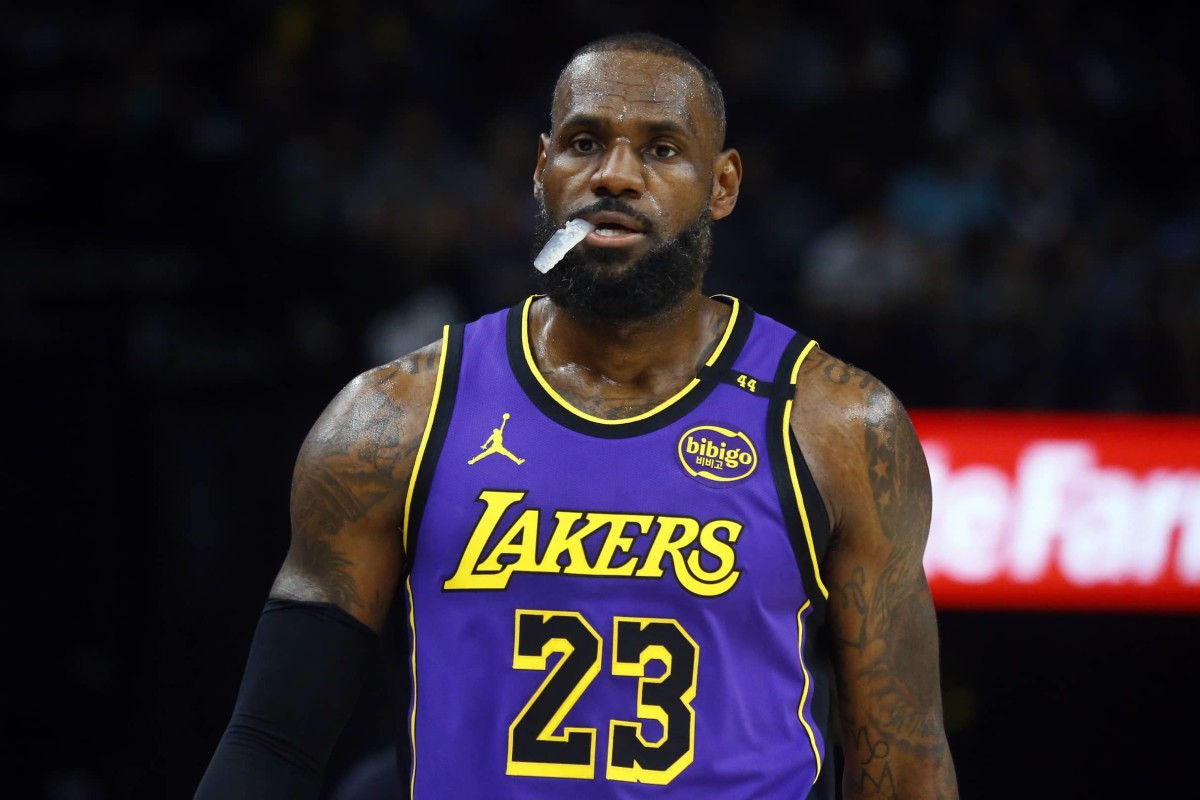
(540, 166)
(727, 180)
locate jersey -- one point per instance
(622, 608)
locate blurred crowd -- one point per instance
(1007, 190)
(215, 214)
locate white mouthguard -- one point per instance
(562, 241)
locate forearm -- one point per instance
(876, 769)
(250, 764)
(893, 735)
(300, 686)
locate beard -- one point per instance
(588, 281)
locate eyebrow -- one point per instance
(656, 126)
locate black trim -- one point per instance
(762, 388)
(672, 413)
(442, 412)
(818, 519)
(817, 657)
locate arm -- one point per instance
(872, 473)
(333, 592)
(349, 489)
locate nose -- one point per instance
(619, 173)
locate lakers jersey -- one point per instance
(616, 608)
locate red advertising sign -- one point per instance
(1063, 512)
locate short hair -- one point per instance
(642, 42)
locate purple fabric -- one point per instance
(748, 738)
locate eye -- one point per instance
(663, 150)
(584, 145)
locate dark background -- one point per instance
(216, 215)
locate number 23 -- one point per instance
(536, 748)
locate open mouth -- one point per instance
(611, 233)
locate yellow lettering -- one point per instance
(564, 540)
(616, 540)
(663, 543)
(465, 576)
(520, 541)
(707, 583)
(683, 539)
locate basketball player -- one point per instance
(646, 543)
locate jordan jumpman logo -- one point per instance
(495, 444)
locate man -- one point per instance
(703, 562)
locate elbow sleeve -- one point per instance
(302, 679)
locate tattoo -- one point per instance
(316, 556)
(423, 360)
(347, 470)
(874, 758)
(378, 605)
(903, 508)
(626, 407)
(608, 407)
(838, 371)
(893, 629)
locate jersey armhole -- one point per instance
(800, 500)
(441, 407)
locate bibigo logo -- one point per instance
(717, 454)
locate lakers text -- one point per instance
(493, 553)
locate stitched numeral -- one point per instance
(747, 383)
(536, 744)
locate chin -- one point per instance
(610, 258)
(630, 283)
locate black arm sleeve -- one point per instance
(303, 675)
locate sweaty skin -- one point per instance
(640, 127)
(871, 470)
(622, 127)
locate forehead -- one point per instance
(633, 85)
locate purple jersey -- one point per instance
(616, 608)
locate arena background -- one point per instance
(214, 215)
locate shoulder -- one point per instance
(390, 393)
(840, 398)
(374, 424)
(404, 385)
(349, 487)
(855, 433)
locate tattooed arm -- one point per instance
(349, 489)
(333, 593)
(872, 474)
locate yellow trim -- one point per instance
(412, 623)
(812, 739)
(787, 422)
(625, 421)
(437, 393)
(412, 717)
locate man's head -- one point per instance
(635, 146)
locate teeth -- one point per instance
(610, 231)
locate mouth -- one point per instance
(614, 230)
(613, 236)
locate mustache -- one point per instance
(615, 205)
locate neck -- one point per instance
(619, 368)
